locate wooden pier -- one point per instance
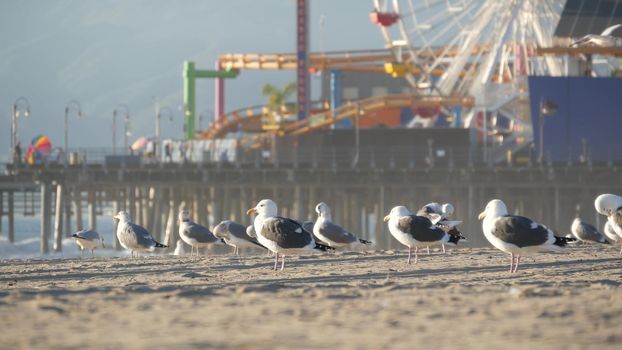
(359, 196)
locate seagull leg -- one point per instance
(282, 262)
(428, 249)
(92, 254)
(443, 246)
(512, 263)
(621, 250)
(517, 262)
(409, 255)
(276, 260)
(416, 254)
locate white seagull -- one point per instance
(585, 232)
(195, 235)
(612, 236)
(133, 237)
(333, 235)
(235, 235)
(605, 39)
(88, 239)
(415, 231)
(439, 215)
(610, 205)
(516, 235)
(283, 236)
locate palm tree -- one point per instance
(277, 101)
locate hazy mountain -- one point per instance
(104, 53)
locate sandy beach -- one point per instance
(371, 300)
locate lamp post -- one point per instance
(20, 103)
(71, 105)
(120, 108)
(546, 108)
(159, 111)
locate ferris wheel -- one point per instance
(461, 47)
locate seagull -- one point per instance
(610, 205)
(585, 232)
(281, 235)
(605, 39)
(195, 235)
(88, 239)
(334, 235)
(133, 237)
(415, 231)
(516, 235)
(439, 215)
(612, 236)
(235, 235)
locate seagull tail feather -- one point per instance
(366, 242)
(322, 247)
(562, 241)
(160, 245)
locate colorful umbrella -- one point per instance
(38, 149)
(140, 143)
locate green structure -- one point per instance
(190, 76)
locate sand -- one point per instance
(370, 300)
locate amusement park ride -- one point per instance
(474, 55)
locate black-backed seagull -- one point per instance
(133, 237)
(439, 215)
(88, 239)
(415, 231)
(283, 236)
(516, 235)
(235, 235)
(332, 234)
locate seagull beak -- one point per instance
(386, 218)
(482, 215)
(251, 211)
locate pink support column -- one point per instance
(219, 95)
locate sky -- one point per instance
(109, 52)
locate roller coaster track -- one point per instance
(352, 110)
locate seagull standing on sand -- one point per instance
(88, 239)
(516, 235)
(612, 236)
(585, 232)
(439, 215)
(610, 205)
(133, 237)
(334, 235)
(415, 231)
(283, 236)
(195, 235)
(235, 235)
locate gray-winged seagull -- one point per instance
(195, 235)
(88, 239)
(334, 235)
(133, 237)
(415, 231)
(235, 235)
(585, 232)
(516, 235)
(281, 235)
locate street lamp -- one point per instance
(159, 111)
(546, 108)
(71, 105)
(126, 110)
(20, 103)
